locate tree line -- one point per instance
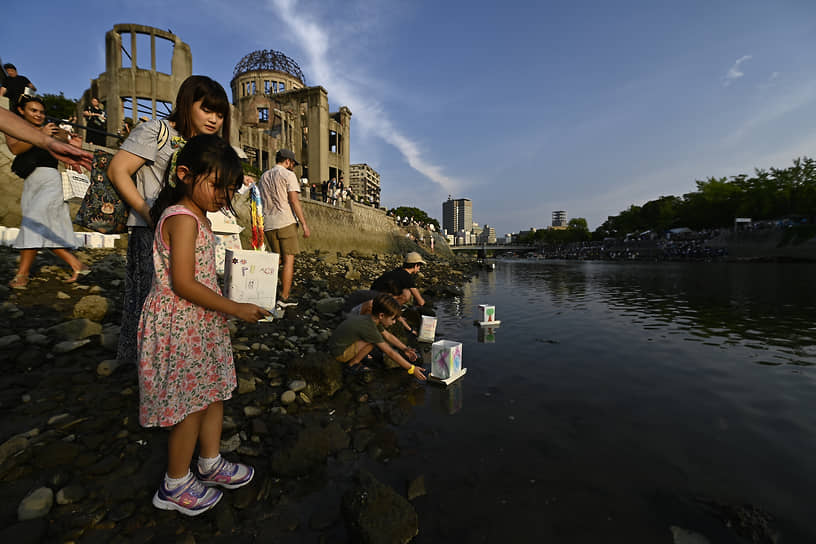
(767, 194)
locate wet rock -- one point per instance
(106, 367)
(75, 329)
(56, 454)
(110, 337)
(36, 505)
(288, 397)
(329, 306)
(70, 345)
(374, 513)
(246, 385)
(9, 339)
(26, 532)
(12, 446)
(322, 374)
(122, 511)
(36, 339)
(311, 448)
(297, 385)
(416, 488)
(224, 518)
(684, 536)
(71, 494)
(230, 444)
(252, 411)
(63, 296)
(304, 398)
(93, 307)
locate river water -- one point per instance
(617, 400)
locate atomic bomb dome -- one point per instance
(268, 60)
(275, 109)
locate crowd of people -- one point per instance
(692, 245)
(171, 173)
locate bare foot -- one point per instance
(84, 271)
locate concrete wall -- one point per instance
(354, 227)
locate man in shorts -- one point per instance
(280, 198)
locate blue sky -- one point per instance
(522, 107)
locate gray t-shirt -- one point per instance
(150, 141)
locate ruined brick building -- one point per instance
(274, 108)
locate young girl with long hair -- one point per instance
(201, 107)
(186, 369)
(46, 220)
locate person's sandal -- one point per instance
(20, 282)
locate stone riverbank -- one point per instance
(75, 466)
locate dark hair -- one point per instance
(385, 304)
(391, 287)
(204, 155)
(9, 66)
(193, 89)
(24, 99)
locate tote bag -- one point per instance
(102, 209)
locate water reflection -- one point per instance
(486, 335)
(753, 306)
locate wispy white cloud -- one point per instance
(367, 111)
(735, 72)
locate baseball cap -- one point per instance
(286, 154)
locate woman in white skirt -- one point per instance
(46, 220)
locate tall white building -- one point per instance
(457, 215)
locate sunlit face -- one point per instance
(33, 112)
(208, 197)
(94, 102)
(205, 121)
(12, 72)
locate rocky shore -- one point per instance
(75, 466)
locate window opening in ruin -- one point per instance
(265, 160)
(333, 173)
(126, 59)
(263, 115)
(142, 51)
(267, 86)
(332, 141)
(144, 108)
(281, 87)
(253, 87)
(164, 55)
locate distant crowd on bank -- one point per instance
(686, 246)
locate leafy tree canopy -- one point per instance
(415, 214)
(58, 106)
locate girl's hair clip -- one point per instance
(177, 142)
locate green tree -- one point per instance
(58, 106)
(416, 214)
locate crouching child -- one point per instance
(355, 337)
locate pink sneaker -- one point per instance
(190, 498)
(227, 475)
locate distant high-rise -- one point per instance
(457, 215)
(365, 182)
(559, 218)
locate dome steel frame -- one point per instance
(268, 59)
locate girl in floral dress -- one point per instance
(186, 369)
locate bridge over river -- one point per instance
(494, 248)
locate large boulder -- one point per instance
(76, 329)
(310, 449)
(323, 375)
(376, 514)
(93, 307)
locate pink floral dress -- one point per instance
(185, 353)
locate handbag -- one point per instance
(102, 209)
